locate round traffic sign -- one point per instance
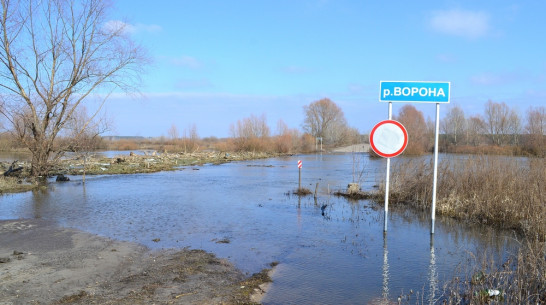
(389, 138)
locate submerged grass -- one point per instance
(15, 185)
(301, 191)
(520, 279)
(505, 192)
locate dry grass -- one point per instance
(286, 143)
(488, 150)
(501, 191)
(301, 191)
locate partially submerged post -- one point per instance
(299, 175)
(435, 179)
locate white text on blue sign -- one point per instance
(421, 92)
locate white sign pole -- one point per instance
(433, 209)
(387, 181)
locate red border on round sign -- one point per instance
(403, 145)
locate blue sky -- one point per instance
(215, 62)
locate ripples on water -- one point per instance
(340, 257)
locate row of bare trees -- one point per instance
(188, 141)
(253, 134)
(324, 121)
(499, 125)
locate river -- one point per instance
(244, 211)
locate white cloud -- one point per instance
(127, 28)
(457, 22)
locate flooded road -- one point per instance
(243, 211)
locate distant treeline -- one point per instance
(499, 130)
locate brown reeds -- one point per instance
(301, 191)
(502, 191)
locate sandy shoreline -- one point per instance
(41, 263)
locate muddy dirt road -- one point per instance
(41, 263)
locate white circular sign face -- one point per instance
(389, 138)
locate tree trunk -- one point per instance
(84, 164)
(40, 164)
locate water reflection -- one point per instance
(433, 287)
(385, 269)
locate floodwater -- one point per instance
(243, 211)
(8, 156)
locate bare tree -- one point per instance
(514, 126)
(418, 131)
(536, 130)
(325, 119)
(251, 127)
(54, 55)
(454, 123)
(251, 133)
(286, 139)
(83, 135)
(190, 138)
(282, 128)
(476, 127)
(536, 121)
(173, 132)
(501, 122)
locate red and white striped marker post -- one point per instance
(299, 174)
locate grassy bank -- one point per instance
(122, 164)
(500, 191)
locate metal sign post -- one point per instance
(433, 208)
(387, 182)
(416, 92)
(388, 139)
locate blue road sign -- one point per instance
(419, 92)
